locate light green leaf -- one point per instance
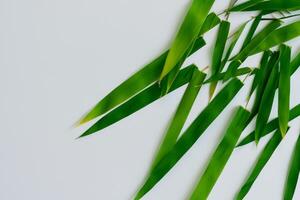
(221, 155)
(139, 101)
(191, 135)
(293, 173)
(278, 37)
(260, 164)
(284, 88)
(275, 5)
(245, 5)
(187, 33)
(210, 22)
(271, 126)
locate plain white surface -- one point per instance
(58, 58)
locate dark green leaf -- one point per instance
(271, 126)
(278, 36)
(260, 164)
(275, 5)
(221, 155)
(245, 5)
(284, 88)
(252, 30)
(266, 103)
(210, 22)
(191, 135)
(295, 64)
(293, 173)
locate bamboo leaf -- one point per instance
(295, 64)
(139, 101)
(257, 40)
(261, 85)
(260, 164)
(284, 88)
(278, 36)
(218, 52)
(187, 33)
(258, 78)
(293, 173)
(245, 5)
(232, 68)
(191, 135)
(275, 5)
(238, 72)
(210, 22)
(271, 126)
(181, 114)
(252, 30)
(221, 155)
(137, 82)
(266, 103)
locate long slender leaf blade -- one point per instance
(239, 72)
(284, 88)
(210, 22)
(271, 126)
(260, 164)
(275, 5)
(245, 5)
(278, 36)
(187, 33)
(191, 135)
(295, 64)
(138, 102)
(257, 40)
(181, 114)
(266, 103)
(221, 155)
(252, 30)
(293, 173)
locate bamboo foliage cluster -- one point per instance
(167, 73)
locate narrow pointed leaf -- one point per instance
(295, 64)
(252, 30)
(293, 173)
(279, 36)
(187, 33)
(245, 5)
(218, 53)
(260, 164)
(259, 75)
(257, 40)
(210, 22)
(270, 127)
(191, 135)
(275, 5)
(232, 68)
(181, 114)
(266, 103)
(139, 101)
(221, 155)
(284, 88)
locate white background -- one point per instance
(59, 57)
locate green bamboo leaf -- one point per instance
(187, 33)
(295, 64)
(262, 82)
(278, 36)
(239, 72)
(139, 101)
(181, 114)
(191, 135)
(257, 40)
(218, 53)
(232, 68)
(275, 5)
(252, 30)
(260, 164)
(210, 22)
(258, 78)
(266, 103)
(293, 173)
(270, 127)
(137, 82)
(221, 155)
(245, 5)
(284, 88)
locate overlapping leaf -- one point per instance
(221, 155)
(191, 135)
